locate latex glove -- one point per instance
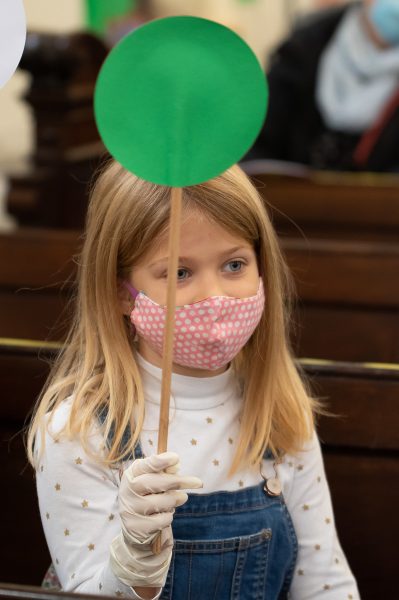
(148, 495)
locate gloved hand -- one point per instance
(148, 494)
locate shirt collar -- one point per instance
(188, 393)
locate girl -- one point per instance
(241, 420)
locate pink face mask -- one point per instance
(208, 333)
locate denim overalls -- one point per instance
(227, 545)
(231, 546)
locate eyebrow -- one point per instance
(188, 259)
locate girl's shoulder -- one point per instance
(308, 451)
(57, 419)
(60, 450)
(302, 469)
(57, 428)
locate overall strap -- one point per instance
(268, 455)
(138, 453)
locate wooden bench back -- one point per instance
(362, 206)
(37, 272)
(348, 298)
(361, 450)
(9, 591)
(348, 292)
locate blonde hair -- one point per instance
(97, 366)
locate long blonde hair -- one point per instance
(97, 366)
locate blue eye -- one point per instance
(237, 262)
(165, 274)
(179, 271)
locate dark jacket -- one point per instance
(294, 129)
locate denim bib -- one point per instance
(237, 545)
(231, 546)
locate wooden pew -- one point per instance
(348, 295)
(348, 292)
(322, 204)
(340, 234)
(37, 269)
(23, 551)
(28, 592)
(360, 449)
(50, 190)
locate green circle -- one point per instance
(179, 100)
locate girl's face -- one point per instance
(212, 262)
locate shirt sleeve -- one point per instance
(321, 569)
(78, 502)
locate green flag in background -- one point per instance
(100, 11)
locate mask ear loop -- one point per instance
(134, 293)
(131, 289)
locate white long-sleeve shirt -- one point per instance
(78, 498)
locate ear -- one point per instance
(126, 302)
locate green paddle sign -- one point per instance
(179, 100)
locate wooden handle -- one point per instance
(156, 544)
(167, 358)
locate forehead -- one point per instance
(198, 233)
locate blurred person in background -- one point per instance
(141, 12)
(334, 91)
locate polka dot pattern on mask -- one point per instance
(208, 334)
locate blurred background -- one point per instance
(326, 164)
(262, 23)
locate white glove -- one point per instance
(148, 495)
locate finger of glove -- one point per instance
(132, 540)
(139, 528)
(155, 483)
(174, 469)
(151, 464)
(152, 503)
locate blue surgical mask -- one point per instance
(384, 16)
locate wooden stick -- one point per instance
(167, 358)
